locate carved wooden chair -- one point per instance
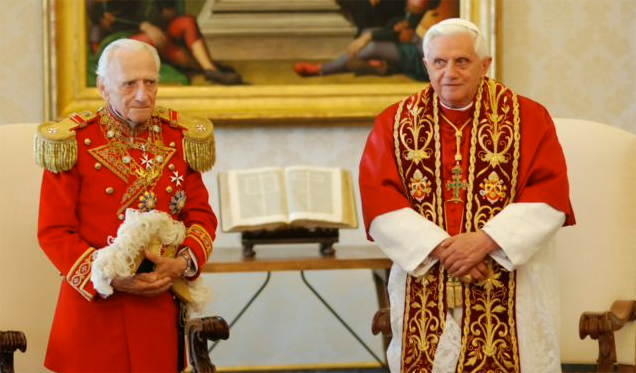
(10, 341)
(602, 325)
(597, 258)
(382, 323)
(199, 331)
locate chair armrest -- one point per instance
(198, 332)
(9, 342)
(602, 326)
(382, 322)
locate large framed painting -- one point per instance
(257, 61)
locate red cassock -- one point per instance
(81, 208)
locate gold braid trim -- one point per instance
(80, 273)
(396, 140)
(198, 142)
(472, 160)
(56, 146)
(202, 237)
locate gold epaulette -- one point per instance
(167, 115)
(56, 146)
(198, 142)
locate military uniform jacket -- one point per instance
(96, 167)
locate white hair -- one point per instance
(454, 26)
(127, 44)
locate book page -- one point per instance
(256, 197)
(314, 193)
(349, 211)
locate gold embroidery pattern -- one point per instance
(489, 342)
(80, 273)
(413, 133)
(115, 156)
(494, 137)
(199, 234)
(494, 142)
(498, 138)
(425, 312)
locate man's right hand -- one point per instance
(478, 272)
(144, 284)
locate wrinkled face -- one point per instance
(131, 83)
(455, 69)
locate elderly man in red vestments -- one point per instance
(128, 154)
(463, 186)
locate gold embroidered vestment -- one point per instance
(480, 185)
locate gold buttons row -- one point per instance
(111, 190)
(88, 142)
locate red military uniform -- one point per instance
(97, 166)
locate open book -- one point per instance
(269, 198)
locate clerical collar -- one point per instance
(459, 109)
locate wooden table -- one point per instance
(303, 258)
(297, 258)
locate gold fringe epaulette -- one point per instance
(198, 142)
(56, 146)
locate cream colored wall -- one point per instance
(28, 282)
(577, 57)
(21, 62)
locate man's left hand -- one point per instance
(167, 267)
(460, 253)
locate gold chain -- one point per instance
(458, 136)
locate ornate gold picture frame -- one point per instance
(347, 103)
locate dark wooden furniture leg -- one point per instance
(601, 326)
(198, 332)
(380, 277)
(9, 342)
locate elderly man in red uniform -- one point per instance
(463, 186)
(129, 154)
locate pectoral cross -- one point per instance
(457, 184)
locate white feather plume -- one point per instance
(136, 233)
